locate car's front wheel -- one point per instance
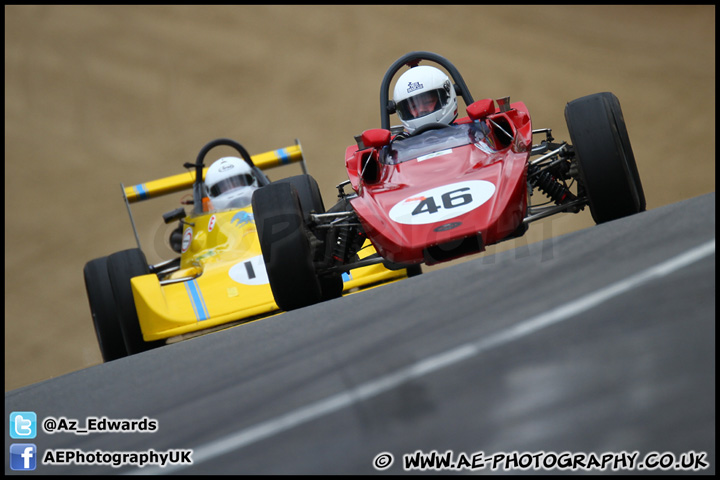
(608, 172)
(122, 267)
(310, 198)
(285, 244)
(104, 310)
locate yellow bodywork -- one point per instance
(222, 277)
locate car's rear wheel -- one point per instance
(285, 244)
(122, 267)
(104, 310)
(608, 172)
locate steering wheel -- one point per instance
(429, 126)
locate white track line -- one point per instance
(432, 364)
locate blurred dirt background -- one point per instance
(96, 96)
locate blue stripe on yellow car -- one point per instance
(141, 190)
(284, 157)
(197, 301)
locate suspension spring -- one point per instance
(341, 245)
(556, 191)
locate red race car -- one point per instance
(441, 187)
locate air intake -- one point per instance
(451, 250)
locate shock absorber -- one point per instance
(556, 191)
(348, 241)
(340, 248)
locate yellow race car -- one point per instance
(219, 278)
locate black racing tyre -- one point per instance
(308, 193)
(625, 139)
(285, 245)
(311, 200)
(414, 270)
(331, 286)
(123, 266)
(608, 172)
(104, 310)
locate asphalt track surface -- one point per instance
(600, 340)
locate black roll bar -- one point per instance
(412, 59)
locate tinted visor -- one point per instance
(231, 183)
(422, 104)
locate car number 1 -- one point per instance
(250, 271)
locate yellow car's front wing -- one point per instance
(226, 292)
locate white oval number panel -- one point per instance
(442, 203)
(186, 239)
(250, 271)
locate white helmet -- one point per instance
(230, 182)
(424, 95)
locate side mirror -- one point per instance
(177, 214)
(504, 104)
(480, 109)
(376, 137)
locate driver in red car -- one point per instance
(424, 95)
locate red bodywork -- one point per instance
(447, 204)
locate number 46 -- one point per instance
(451, 199)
